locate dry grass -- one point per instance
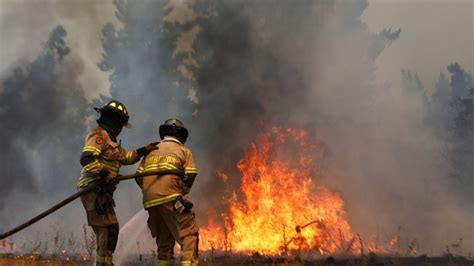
(38, 261)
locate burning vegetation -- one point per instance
(281, 207)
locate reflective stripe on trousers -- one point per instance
(165, 262)
(106, 260)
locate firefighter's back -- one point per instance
(170, 155)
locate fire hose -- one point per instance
(80, 193)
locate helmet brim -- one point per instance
(127, 125)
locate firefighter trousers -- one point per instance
(105, 227)
(106, 239)
(167, 226)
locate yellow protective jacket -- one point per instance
(103, 154)
(170, 155)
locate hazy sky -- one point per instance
(435, 33)
(25, 26)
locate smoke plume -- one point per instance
(42, 112)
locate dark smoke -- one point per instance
(43, 112)
(261, 65)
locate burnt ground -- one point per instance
(363, 260)
(371, 259)
(241, 260)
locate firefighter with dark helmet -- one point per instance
(101, 160)
(170, 216)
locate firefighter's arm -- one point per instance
(190, 172)
(89, 158)
(131, 157)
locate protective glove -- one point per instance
(147, 149)
(152, 146)
(108, 176)
(104, 173)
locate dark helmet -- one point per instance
(174, 128)
(113, 116)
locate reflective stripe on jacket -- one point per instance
(170, 155)
(107, 154)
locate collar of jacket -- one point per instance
(109, 132)
(169, 138)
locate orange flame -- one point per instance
(280, 208)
